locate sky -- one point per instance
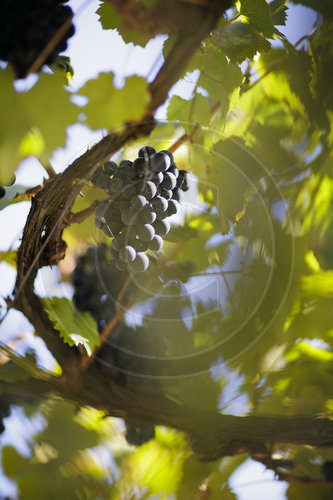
(92, 51)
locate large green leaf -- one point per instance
(257, 13)
(109, 107)
(189, 112)
(240, 41)
(74, 327)
(32, 122)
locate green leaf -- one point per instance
(74, 327)
(109, 107)
(110, 19)
(240, 41)
(189, 113)
(25, 127)
(257, 13)
(218, 76)
(278, 12)
(180, 233)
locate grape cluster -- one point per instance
(141, 196)
(26, 28)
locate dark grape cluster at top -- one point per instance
(26, 28)
(142, 195)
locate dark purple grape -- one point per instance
(107, 230)
(138, 201)
(120, 265)
(146, 151)
(140, 167)
(115, 185)
(110, 167)
(156, 243)
(183, 180)
(98, 223)
(125, 163)
(128, 191)
(147, 215)
(2, 192)
(149, 190)
(129, 216)
(140, 263)
(176, 194)
(157, 178)
(101, 209)
(173, 207)
(139, 245)
(161, 227)
(127, 254)
(145, 232)
(160, 162)
(170, 155)
(102, 181)
(174, 170)
(159, 205)
(166, 193)
(114, 253)
(169, 181)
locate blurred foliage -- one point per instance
(244, 322)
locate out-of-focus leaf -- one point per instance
(110, 19)
(278, 12)
(109, 107)
(240, 41)
(189, 113)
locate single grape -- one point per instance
(114, 253)
(173, 207)
(138, 201)
(127, 254)
(140, 167)
(176, 194)
(156, 243)
(160, 162)
(161, 227)
(157, 178)
(129, 216)
(146, 232)
(174, 170)
(120, 265)
(170, 155)
(110, 168)
(96, 175)
(125, 163)
(146, 151)
(147, 215)
(140, 263)
(128, 191)
(166, 193)
(107, 231)
(183, 180)
(139, 245)
(169, 181)
(159, 205)
(98, 223)
(119, 241)
(149, 190)
(115, 185)
(101, 209)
